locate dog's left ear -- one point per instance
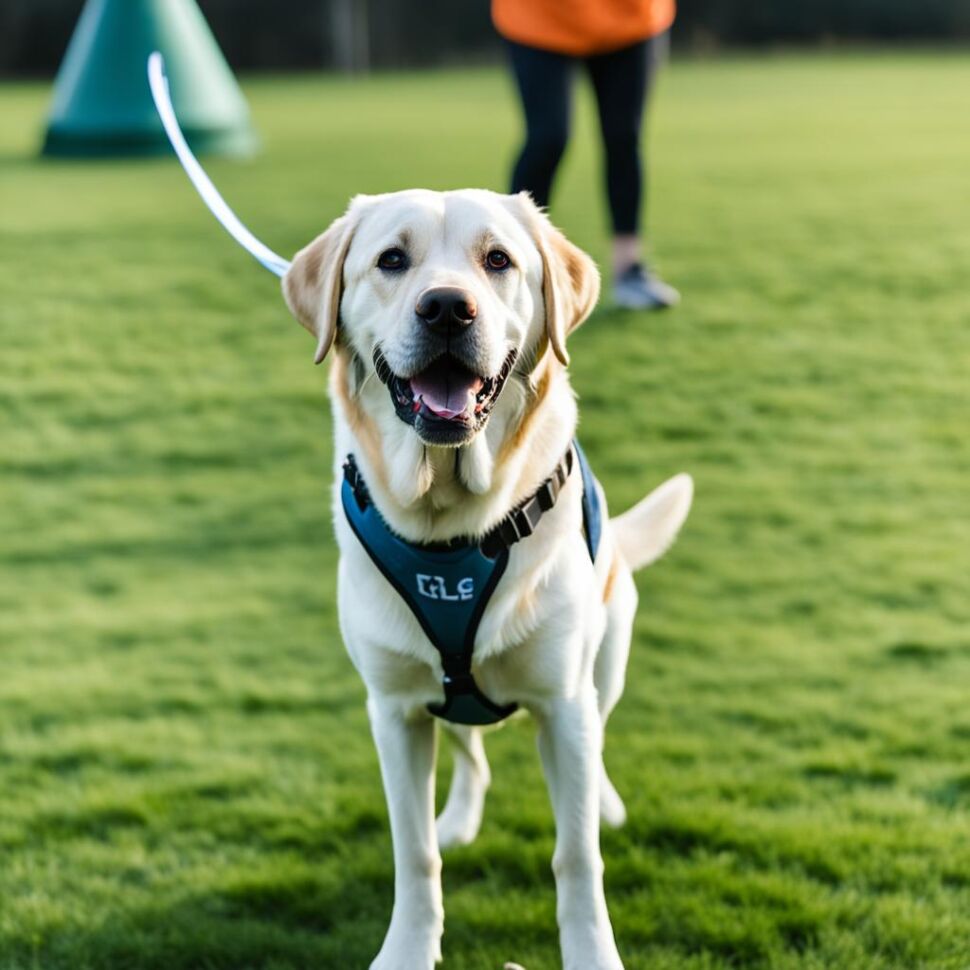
(314, 283)
(570, 279)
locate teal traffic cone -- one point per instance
(102, 105)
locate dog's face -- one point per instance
(442, 295)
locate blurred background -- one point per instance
(186, 775)
(358, 34)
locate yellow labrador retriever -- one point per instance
(478, 570)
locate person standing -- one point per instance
(621, 43)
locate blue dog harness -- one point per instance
(448, 585)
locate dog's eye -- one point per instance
(392, 260)
(498, 260)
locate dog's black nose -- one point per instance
(447, 309)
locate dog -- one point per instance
(447, 316)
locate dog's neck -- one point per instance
(432, 494)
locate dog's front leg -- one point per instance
(406, 749)
(569, 744)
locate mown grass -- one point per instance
(186, 775)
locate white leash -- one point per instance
(203, 184)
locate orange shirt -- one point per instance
(581, 27)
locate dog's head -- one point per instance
(443, 295)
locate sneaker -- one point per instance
(638, 288)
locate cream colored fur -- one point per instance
(556, 634)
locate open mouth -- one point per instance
(445, 401)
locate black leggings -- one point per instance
(621, 80)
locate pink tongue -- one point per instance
(445, 391)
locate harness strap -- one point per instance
(592, 509)
(524, 518)
(517, 524)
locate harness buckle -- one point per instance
(456, 674)
(459, 683)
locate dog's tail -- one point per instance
(645, 532)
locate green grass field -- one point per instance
(186, 776)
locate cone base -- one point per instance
(70, 143)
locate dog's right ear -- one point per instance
(570, 279)
(314, 283)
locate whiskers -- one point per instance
(360, 387)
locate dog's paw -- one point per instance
(457, 827)
(599, 954)
(406, 961)
(612, 809)
(408, 950)
(602, 962)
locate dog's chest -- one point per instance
(519, 647)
